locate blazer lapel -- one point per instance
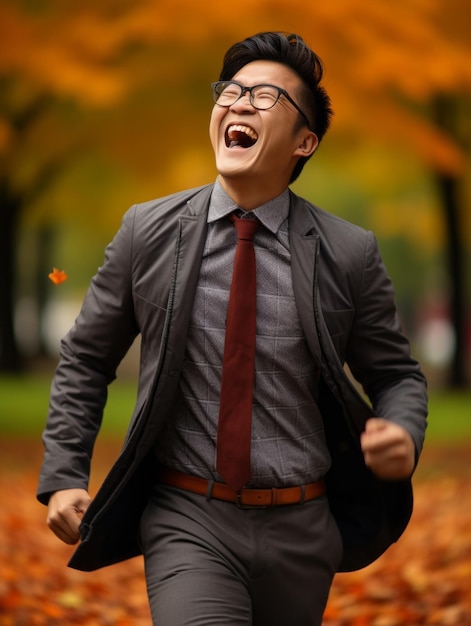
(187, 262)
(304, 247)
(305, 250)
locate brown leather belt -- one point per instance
(246, 498)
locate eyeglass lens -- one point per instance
(261, 96)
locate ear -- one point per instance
(308, 144)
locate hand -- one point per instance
(388, 449)
(66, 509)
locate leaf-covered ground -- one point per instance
(424, 579)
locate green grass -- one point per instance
(24, 400)
(24, 405)
(449, 416)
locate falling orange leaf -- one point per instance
(57, 276)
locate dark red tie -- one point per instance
(235, 411)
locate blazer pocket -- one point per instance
(339, 324)
(150, 317)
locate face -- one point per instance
(256, 148)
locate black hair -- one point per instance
(292, 51)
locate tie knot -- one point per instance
(245, 227)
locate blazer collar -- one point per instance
(198, 204)
(301, 217)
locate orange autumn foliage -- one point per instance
(384, 61)
(422, 580)
(122, 88)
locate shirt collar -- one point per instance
(272, 214)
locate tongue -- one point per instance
(237, 138)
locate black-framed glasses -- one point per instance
(262, 97)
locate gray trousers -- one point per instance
(210, 563)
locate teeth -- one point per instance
(240, 128)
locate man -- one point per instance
(326, 486)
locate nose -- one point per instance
(243, 103)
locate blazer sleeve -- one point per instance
(378, 352)
(90, 354)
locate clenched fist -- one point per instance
(388, 449)
(65, 511)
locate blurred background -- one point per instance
(106, 104)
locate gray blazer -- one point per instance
(146, 286)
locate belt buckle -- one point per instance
(241, 505)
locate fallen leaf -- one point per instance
(423, 579)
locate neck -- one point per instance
(249, 196)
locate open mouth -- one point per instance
(240, 136)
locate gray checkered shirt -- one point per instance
(288, 443)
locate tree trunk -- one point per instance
(45, 240)
(449, 187)
(10, 358)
